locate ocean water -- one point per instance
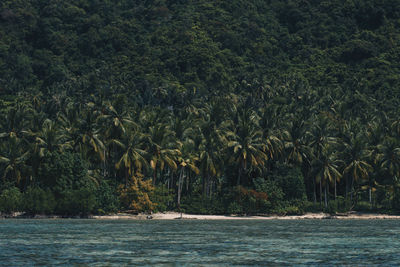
(73, 242)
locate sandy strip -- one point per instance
(176, 215)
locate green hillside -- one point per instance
(216, 107)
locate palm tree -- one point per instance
(70, 120)
(268, 122)
(209, 143)
(16, 122)
(375, 135)
(113, 122)
(325, 168)
(247, 144)
(186, 162)
(389, 158)
(90, 142)
(13, 159)
(132, 155)
(50, 139)
(318, 139)
(294, 142)
(161, 147)
(117, 117)
(355, 165)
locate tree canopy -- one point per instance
(225, 105)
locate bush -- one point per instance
(364, 206)
(271, 188)
(234, 208)
(106, 199)
(310, 206)
(338, 205)
(38, 201)
(396, 199)
(199, 204)
(290, 180)
(292, 210)
(62, 172)
(136, 195)
(77, 202)
(241, 200)
(163, 197)
(10, 200)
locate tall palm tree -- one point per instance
(187, 162)
(209, 142)
(356, 166)
(273, 145)
(113, 122)
(162, 148)
(319, 139)
(132, 155)
(389, 158)
(90, 142)
(294, 141)
(326, 171)
(247, 144)
(375, 134)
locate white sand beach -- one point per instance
(184, 216)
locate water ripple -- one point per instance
(200, 243)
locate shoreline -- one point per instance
(184, 216)
(307, 216)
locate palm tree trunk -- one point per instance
(187, 182)
(104, 164)
(180, 184)
(154, 176)
(315, 191)
(320, 192)
(351, 189)
(335, 188)
(370, 195)
(204, 184)
(326, 199)
(238, 179)
(208, 186)
(327, 190)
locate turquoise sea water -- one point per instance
(197, 242)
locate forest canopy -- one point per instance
(205, 106)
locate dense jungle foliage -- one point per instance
(241, 106)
